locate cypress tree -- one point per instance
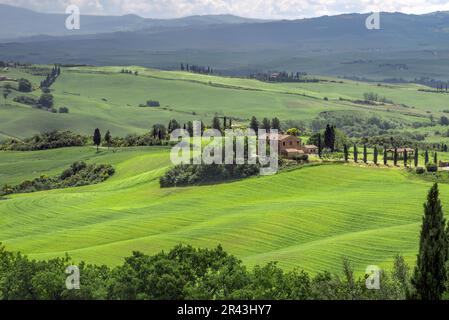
(426, 157)
(416, 157)
(320, 147)
(254, 124)
(365, 154)
(346, 153)
(97, 138)
(356, 153)
(375, 155)
(266, 124)
(275, 124)
(385, 156)
(216, 124)
(328, 137)
(395, 157)
(405, 158)
(429, 275)
(435, 158)
(107, 138)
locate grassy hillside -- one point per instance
(105, 98)
(308, 218)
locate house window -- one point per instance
(291, 143)
(283, 143)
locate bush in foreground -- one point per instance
(187, 273)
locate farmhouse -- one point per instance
(291, 146)
(310, 149)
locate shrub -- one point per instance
(63, 110)
(26, 100)
(25, 85)
(46, 100)
(48, 140)
(79, 174)
(187, 174)
(420, 170)
(431, 167)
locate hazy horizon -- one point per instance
(257, 9)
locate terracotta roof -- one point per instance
(280, 136)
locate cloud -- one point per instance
(271, 9)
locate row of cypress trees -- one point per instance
(385, 155)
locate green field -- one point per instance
(308, 218)
(103, 97)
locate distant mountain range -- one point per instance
(18, 22)
(406, 46)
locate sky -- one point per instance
(264, 9)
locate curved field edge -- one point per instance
(309, 218)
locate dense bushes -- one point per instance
(26, 100)
(25, 85)
(48, 140)
(184, 175)
(187, 273)
(431, 167)
(134, 140)
(79, 174)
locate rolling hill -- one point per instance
(307, 218)
(106, 98)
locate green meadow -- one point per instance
(308, 218)
(106, 98)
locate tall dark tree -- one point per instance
(108, 138)
(266, 124)
(426, 157)
(173, 125)
(320, 146)
(275, 124)
(435, 158)
(216, 124)
(190, 128)
(405, 158)
(97, 138)
(385, 156)
(356, 153)
(416, 157)
(429, 276)
(365, 154)
(375, 155)
(346, 152)
(225, 123)
(254, 124)
(395, 157)
(329, 137)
